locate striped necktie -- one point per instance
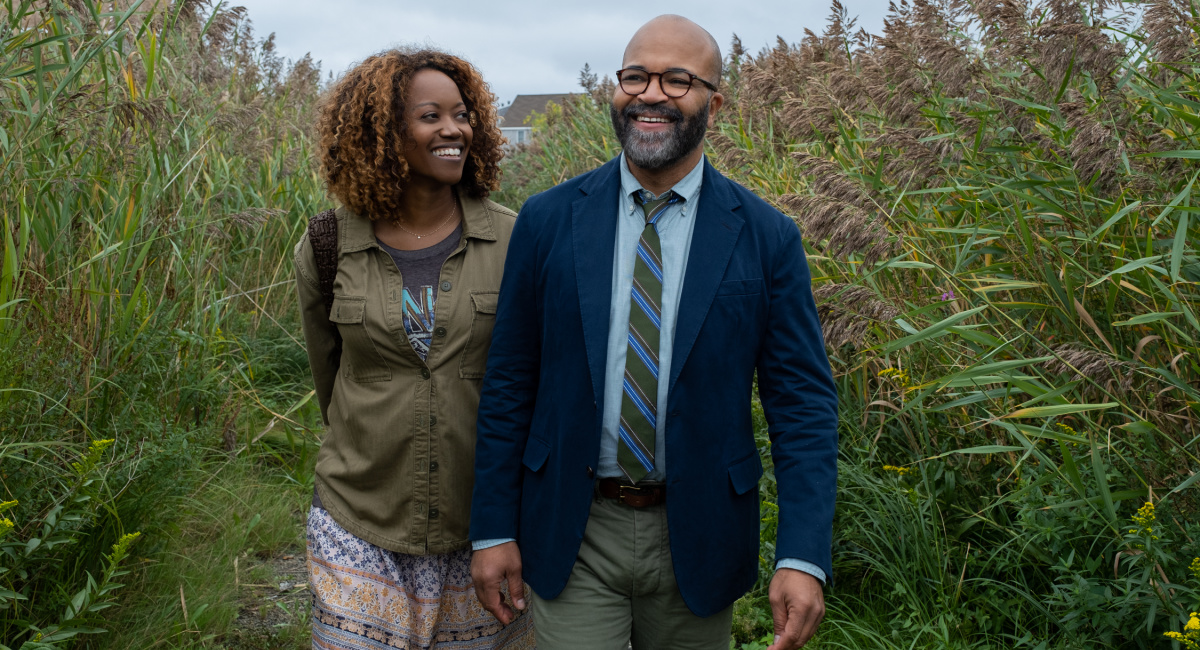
(639, 402)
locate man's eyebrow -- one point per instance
(643, 68)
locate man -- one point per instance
(616, 468)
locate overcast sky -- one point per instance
(526, 46)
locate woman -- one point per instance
(410, 147)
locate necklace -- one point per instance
(453, 209)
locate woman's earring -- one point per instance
(472, 119)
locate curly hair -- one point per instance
(362, 132)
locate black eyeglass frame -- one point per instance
(649, 77)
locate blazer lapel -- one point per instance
(593, 240)
(713, 238)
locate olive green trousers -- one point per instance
(622, 590)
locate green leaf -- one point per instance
(1115, 218)
(1177, 247)
(1186, 484)
(1133, 266)
(1152, 317)
(986, 449)
(1058, 409)
(933, 330)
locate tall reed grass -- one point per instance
(156, 173)
(997, 202)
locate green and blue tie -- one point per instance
(639, 403)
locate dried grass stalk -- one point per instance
(847, 313)
(844, 227)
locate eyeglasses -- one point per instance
(674, 83)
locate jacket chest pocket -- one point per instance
(483, 319)
(361, 360)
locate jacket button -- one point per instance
(433, 466)
(432, 420)
(446, 285)
(441, 331)
(425, 373)
(591, 473)
(433, 513)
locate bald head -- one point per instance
(687, 38)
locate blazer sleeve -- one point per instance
(799, 399)
(324, 356)
(510, 386)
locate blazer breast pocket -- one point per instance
(733, 288)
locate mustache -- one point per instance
(634, 110)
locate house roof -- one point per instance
(524, 105)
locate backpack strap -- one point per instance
(323, 235)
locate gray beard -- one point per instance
(656, 151)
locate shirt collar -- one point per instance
(688, 187)
(358, 232)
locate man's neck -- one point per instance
(661, 180)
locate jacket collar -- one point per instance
(356, 232)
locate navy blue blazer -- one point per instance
(746, 306)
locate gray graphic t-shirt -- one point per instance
(420, 270)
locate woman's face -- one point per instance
(439, 130)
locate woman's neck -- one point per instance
(427, 214)
(425, 206)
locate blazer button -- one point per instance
(446, 285)
(591, 473)
(425, 373)
(433, 513)
(433, 465)
(439, 332)
(432, 420)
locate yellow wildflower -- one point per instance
(897, 375)
(902, 471)
(1195, 568)
(6, 525)
(1066, 429)
(92, 457)
(1190, 634)
(7, 505)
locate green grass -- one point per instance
(223, 557)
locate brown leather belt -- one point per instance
(634, 496)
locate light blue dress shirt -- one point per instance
(675, 228)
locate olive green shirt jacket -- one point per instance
(396, 466)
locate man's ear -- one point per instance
(714, 106)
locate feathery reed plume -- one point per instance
(847, 313)
(1096, 153)
(1067, 44)
(1100, 367)
(1005, 25)
(827, 178)
(844, 227)
(917, 165)
(729, 154)
(1170, 30)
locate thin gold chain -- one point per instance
(453, 209)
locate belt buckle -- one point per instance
(630, 490)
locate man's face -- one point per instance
(657, 131)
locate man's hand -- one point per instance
(797, 605)
(489, 569)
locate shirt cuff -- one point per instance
(480, 544)
(786, 563)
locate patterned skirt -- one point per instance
(368, 597)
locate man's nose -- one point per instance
(653, 93)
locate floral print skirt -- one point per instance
(368, 597)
